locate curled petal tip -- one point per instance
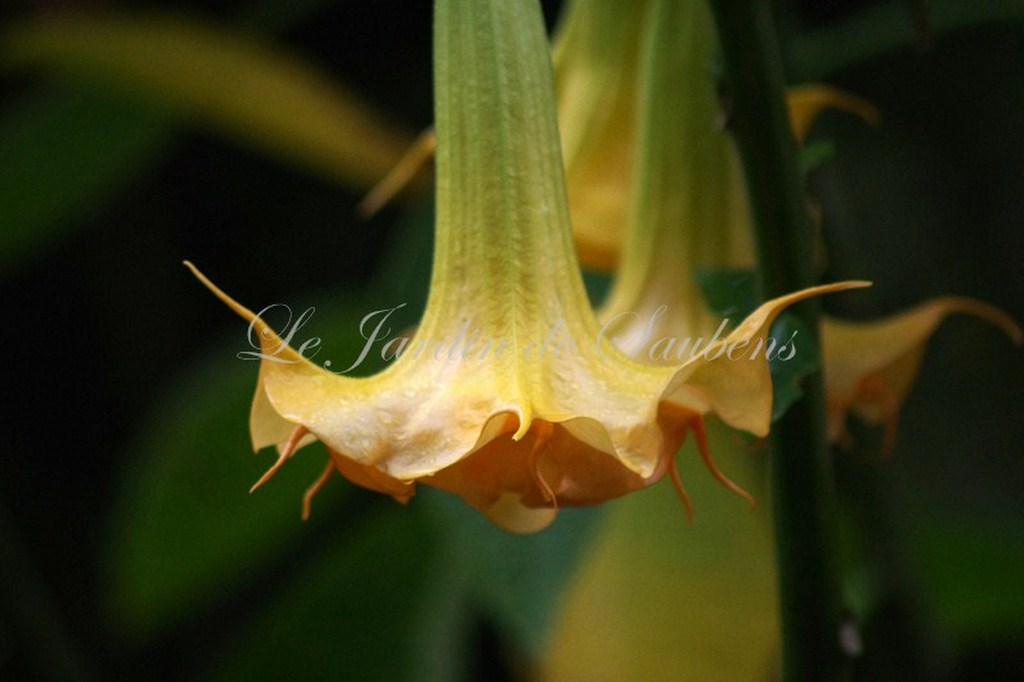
(240, 309)
(987, 312)
(807, 101)
(1009, 326)
(848, 284)
(824, 289)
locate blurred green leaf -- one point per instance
(257, 93)
(971, 573)
(64, 152)
(515, 580)
(814, 153)
(185, 491)
(597, 284)
(397, 601)
(728, 292)
(184, 528)
(357, 613)
(655, 598)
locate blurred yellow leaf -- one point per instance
(255, 92)
(655, 599)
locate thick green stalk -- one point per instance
(803, 492)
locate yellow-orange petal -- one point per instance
(807, 101)
(371, 477)
(737, 386)
(266, 425)
(870, 367)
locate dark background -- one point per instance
(104, 326)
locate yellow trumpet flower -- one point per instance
(534, 408)
(595, 61)
(649, 602)
(599, 85)
(870, 367)
(689, 210)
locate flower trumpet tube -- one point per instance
(602, 81)
(688, 205)
(539, 410)
(594, 55)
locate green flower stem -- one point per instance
(803, 493)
